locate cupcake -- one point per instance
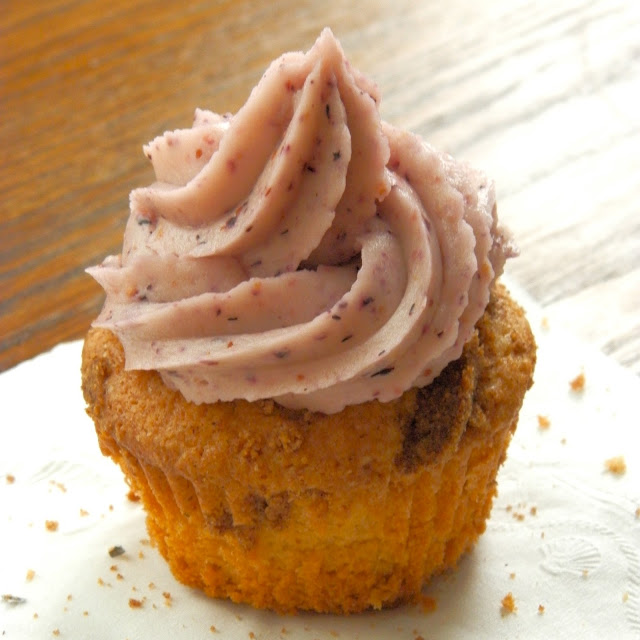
(304, 365)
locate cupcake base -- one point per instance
(293, 510)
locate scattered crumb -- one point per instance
(167, 598)
(428, 604)
(563, 441)
(116, 551)
(135, 604)
(577, 384)
(252, 635)
(512, 576)
(83, 513)
(544, 323)
(31, 574)
(56, 632)
(542, 535)
(119, 576)
(509, 507)
(638, 512)
(543, 422)
(335, 634)
(284, 630)
(146, 542)
(13, 600)
(540, 609)
(213, 629)
(585, 573)
(35, 616)
(51, 525)
(140, 555)
(533, 511)
(616, 465)
(59, 485)
(508, 604)
(133, 496)
(151, 585)
(10, 478)
(85, 613)
(110, 507)
(625, 596)
(113, 567)
(69, 597)
(519, 516)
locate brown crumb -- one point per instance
(638, 512)
(12, 600)
(542, 535)
(616, 465)
(167, 598)
(508, 604)
(31, 574)
(10, 478)
(110, 507)
(419, 638)
(625, 596)
(83, 513)
(85, 613)
(577, 384)
(540, 609)
(56, 632)
(509, 508)
(140, 555)
(533, 511)
(59, 485)
(69, 597)
(512, 576)
(151, 585)
(135, 604)
(116, 551)
(585, 573)
(51, 525)
(563, 441)
(334, 633)
(519, 516)
(213, 629)
(119, 576)
(428, 604)
(35, 616)
(543, 422)
(113, 567)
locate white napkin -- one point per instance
(563, 538)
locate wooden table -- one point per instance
(543, 95)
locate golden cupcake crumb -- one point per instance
(508, 605)
(543, 422)
(577, 384)
(31, 574)
(134, 603)
(51, 525)
(10, 478)
(540, 609)
(616, 465)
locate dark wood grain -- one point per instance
(543, 95)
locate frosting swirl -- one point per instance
(302, 249)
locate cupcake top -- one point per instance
(302, 249)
